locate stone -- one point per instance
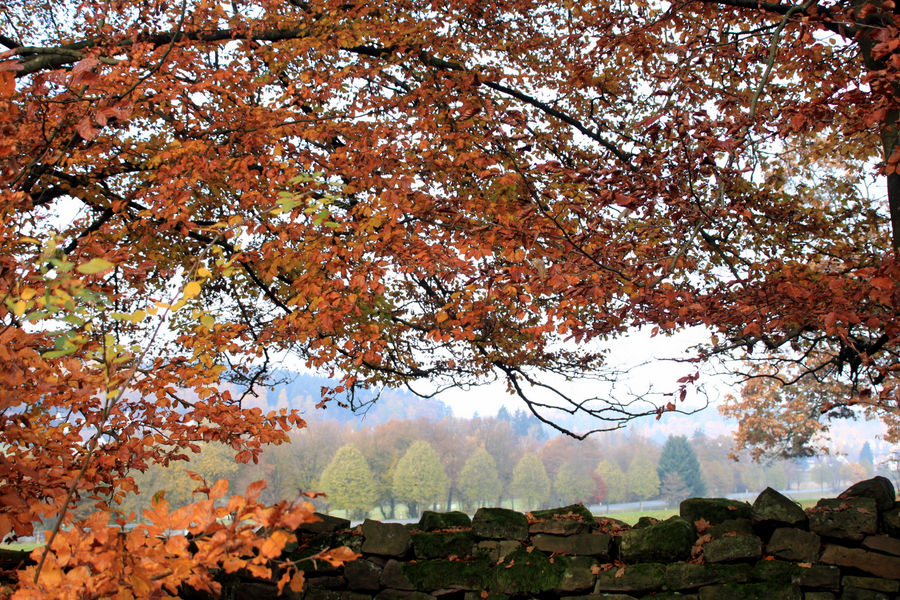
(601, 597)
(888, 586)
(577, 576)
(685, 576)
(325, 524)
(666, 541)
(500, 523)
(772, 509)
(751, 591)
(878, 488)
(846, 519)
(883, 543)
(610, 525)
(558, 527)
(529, 572)
(386, 539)
(362, 575)
(402, 595)
(890, 521)
(731, 526)
(428, 575)
(713, 510)
(794, 544)
(671, 596)
(573, 512)
(582, 544)
(641, 577)
(645, 522)
(732, 548)
(853, 593)
(431, 520)
(327, 582)
(880, 565)
(818, 596)
(823, 577)
(442, 545)
(323, 594)
(392, 576)
(497, 549)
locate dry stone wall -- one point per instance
(845, 548)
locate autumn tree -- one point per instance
(425, 196)
(530, 483)
(573, 483)
(479, 483)
(419, 478)
(642, 479)
(611, 474)
(349, 483)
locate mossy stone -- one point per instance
(772, 509)
(844, 518)
(878, 488)
(732, 548)
(890, 521)
(751, 591)
(731, 526)
(524, 572)
(573, 512)
(430, 520)
(442, 545)
(685, 576)
(666, 541)
(500, 523)
(430, 575)
(713, 510)
(641, 577)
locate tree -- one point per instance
(573, 483)
(642, 479)
(349, 483)
(530, 483)
(400, 194)
(673, 489)
(720, 477)
(679, 457)
(867, 459)
(616, 487)
(419, 478)
(479, 481)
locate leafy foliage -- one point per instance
(479, 479)
(530, 481)
(348, 481)
(419, 478)
(400, 192)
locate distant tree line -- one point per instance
(398, 468)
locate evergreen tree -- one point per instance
(867, 458)
(679, 457)
(530, 482)
(479, 481)
(349, 483)
(573, 483)
(419, 478)
(642, 479)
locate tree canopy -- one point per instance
(402, 192)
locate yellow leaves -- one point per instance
(191, 290)
(94, 266)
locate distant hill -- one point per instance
(303, 391)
